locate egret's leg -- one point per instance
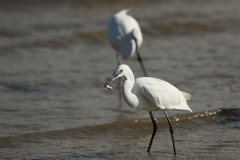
(140, 59)
(171, 131)
(154, 131)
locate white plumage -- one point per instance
(151, 94)
(147, 93)
(122, 29)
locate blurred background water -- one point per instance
(55, 58)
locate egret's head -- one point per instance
(118, 72)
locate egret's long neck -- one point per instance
(130, 98)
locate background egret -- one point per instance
(124, 34)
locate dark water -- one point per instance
(55, 58)
(208, 135)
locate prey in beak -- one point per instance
(106, 85)
(112, 78)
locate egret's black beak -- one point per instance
(109, 81)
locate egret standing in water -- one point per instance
(124, 35)
(151, 94)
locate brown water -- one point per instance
(55, 58)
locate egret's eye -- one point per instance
(118, 72)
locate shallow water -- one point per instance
(208, 135)
(53, 66)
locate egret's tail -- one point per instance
(186, 95)
(182, 107)
(123, 12)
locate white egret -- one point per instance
(124, 34)
(151, 94)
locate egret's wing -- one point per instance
(164, 96)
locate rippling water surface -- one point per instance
(55, 58)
